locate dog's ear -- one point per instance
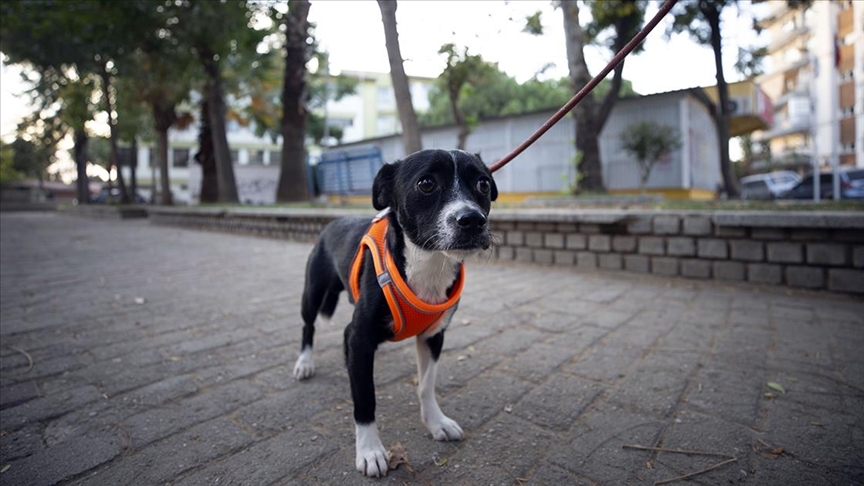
(493, 194)
(382, 188)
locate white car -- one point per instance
(768, 186)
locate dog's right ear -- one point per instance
(382, 188)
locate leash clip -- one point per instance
(384, 279)
(384, 212)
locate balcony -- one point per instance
(785, 38)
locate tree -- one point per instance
(217, 33)
(462, 74)
(624, 19)
(701, 19)
(647, 142)
(293, 184)
(7, 164)
(410, 127)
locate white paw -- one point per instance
(305, 366)
(445, 428)
(371, 459)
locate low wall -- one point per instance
(815, 250)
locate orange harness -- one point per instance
(411, 316)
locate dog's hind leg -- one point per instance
(441, 426)
(318, 303)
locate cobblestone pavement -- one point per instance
(164, 356)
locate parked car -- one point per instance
(104, 197)
(768, 186)
(851, 186)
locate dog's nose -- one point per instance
(472, 221)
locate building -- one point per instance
(370, 112)
(547, 167)
(815, 77)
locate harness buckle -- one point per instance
(384, 279)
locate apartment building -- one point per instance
(815, 77)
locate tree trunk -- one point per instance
(82, 186)
(712, 15)
(459, 118)
(216, 102)
(410, 128)
(133, 169)
(293, 185)
(112, 128)
(205, 157)
(163, 118)
(586, 125)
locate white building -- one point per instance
(815, 75)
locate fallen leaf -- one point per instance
(174, 358)
(770, 395)
(441, 462)
(396, 455)
(140, 300)
(5, 468)
(776, 386)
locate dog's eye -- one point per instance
(483, 186)
(426, 185)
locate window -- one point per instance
(386, 97)
(256, 157)
(181, 157)
(275, 157)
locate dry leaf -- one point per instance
(441, 462)
(776, 386)
(5, 468)
(396, 455)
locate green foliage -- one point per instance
(502, 95)
(647, 142)
(749, 61)
(31, 156)
(624, 18)
(534, 24)
(7, 164)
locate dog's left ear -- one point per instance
(382, 188)
(493, 194)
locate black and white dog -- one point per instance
(438, 203)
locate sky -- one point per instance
(352, 33)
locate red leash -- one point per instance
(588, 87)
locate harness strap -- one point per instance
(411, 315)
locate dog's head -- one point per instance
(441, 199)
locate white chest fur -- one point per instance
(429, 273)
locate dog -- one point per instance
(434, 212)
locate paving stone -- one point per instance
(544, 256)
(826, 254)
(637, 263)
(576, 241)
(697, 225)
(554, 240)
(664, 266)
(806, 277)
(610, 261)
(515, 238)
(845, 280)
(747, 250)
(586, 259)
(624, 244)
(564, 257)
(730, 232)
(534, 239)
(765, 273)
(667, 225)
(768, 234)
(651, 245)
(599, 243)
(713, 248)
(694, 268)
(640, 226)
(728, 270)
(549, 370)
(785, 252)
(681, 246)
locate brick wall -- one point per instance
(816, 250)
(797, 249)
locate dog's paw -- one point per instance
(305, 366)
(372, 461)
(445, 429)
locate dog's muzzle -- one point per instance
(472, 230)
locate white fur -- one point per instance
(304, 368)
(441, 426)
(429, 273)
(371, 458)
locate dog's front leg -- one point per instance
(441, 426)
(371, 457)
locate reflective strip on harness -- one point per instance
(411, 315)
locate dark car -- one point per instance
(106, 197)
(851, 186)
